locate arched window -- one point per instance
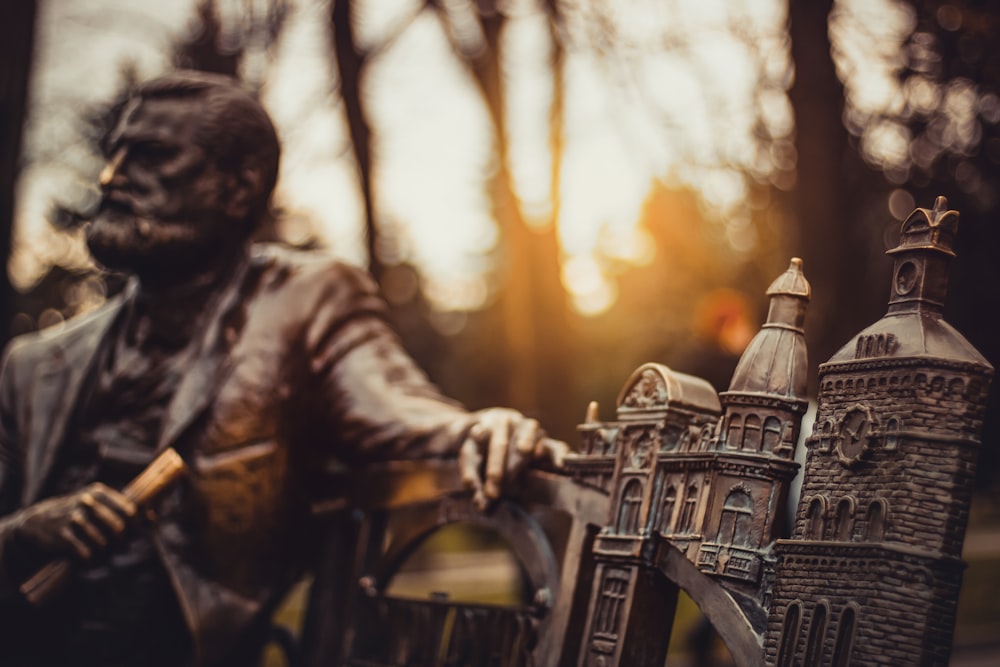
(845, 637)
(737, 519)
(817, 634)
(706, 437)
(875, 529)
(826, 435)
(789, 634)
(772, 434)
(751, 433)
(815, 526)
(707, 431)
(844, 522)
(734, 431)
(684, 443)
(687, 512)
(667, 510)
(628, 513)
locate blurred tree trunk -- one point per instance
(351, 62)
(203, 47)
(17, 31)
(835, 241)
(561, 405)
(538, 339)
(200, 50)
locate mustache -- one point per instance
(126, 227)
(117, 213)
(116, 200)
(118, 206)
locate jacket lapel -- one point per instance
(56, 389)
(211, 363)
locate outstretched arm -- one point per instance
(383, 407)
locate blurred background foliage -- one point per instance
(551, 192)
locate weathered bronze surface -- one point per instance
(687, 490)
(258, 365)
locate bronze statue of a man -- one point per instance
(257, 364)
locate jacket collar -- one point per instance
(211, 362)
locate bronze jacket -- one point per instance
(295, 366)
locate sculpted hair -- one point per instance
(235, 128)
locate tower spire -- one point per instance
(922, 258)
(775, 361)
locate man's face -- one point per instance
(163, 208)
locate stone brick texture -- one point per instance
(926, 478)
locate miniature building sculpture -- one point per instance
(709, 477)
(888, 479)
(687, 489)
(885, 497)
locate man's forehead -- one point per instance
(156, 118)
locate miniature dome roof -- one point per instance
(776, 362)
(657, 387)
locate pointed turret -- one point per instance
(776, 362)
(913, 325)
(755, 451)
(767, 395)
(925, 250)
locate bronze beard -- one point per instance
(122, 240)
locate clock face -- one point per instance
(855, 429)
(906, 278)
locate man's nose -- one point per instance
(112, 167)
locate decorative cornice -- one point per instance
(892, 363)
(844, 551)
(733, 398)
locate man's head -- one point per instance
(191, 165)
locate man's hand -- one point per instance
(80, 524)
(510, 441)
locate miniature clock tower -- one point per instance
(872, 572)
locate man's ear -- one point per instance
(245, 194)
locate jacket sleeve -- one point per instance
(379, 404)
